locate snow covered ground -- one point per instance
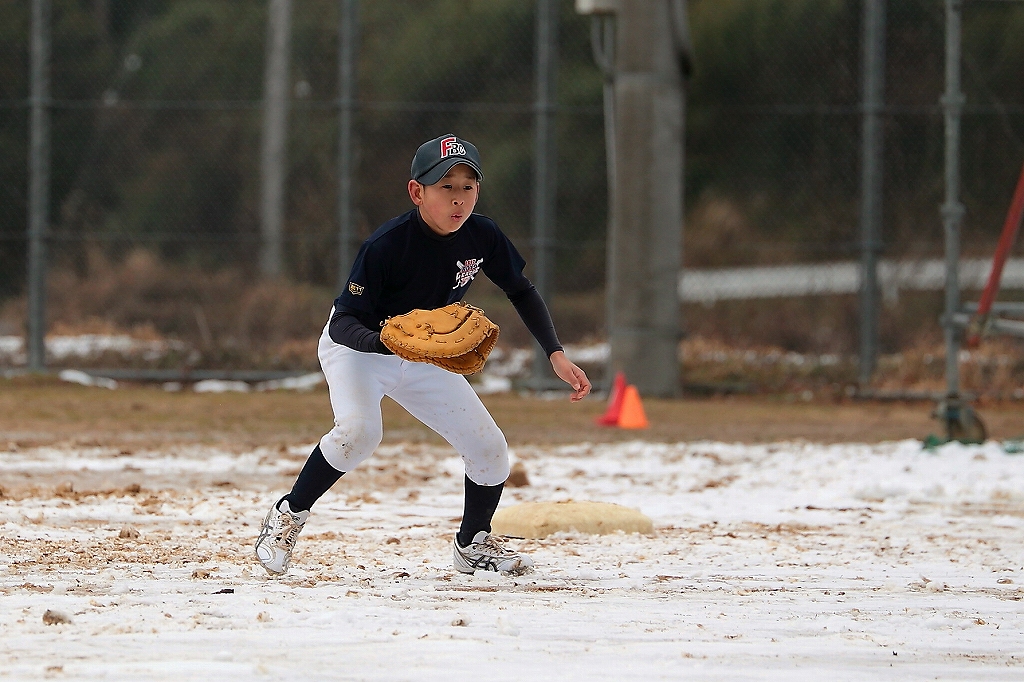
(791, 561)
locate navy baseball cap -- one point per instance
(435, 158)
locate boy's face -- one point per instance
(446, 205)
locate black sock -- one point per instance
(316, 478)
(481, 501)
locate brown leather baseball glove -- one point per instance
(457, 337)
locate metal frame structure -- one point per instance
(960, 420)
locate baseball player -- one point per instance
(424, 259)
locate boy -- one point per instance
(426, 258)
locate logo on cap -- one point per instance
(450, 146)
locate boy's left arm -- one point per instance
(534, 313)
(504, 267)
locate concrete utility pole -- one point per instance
(273, 159)
(39, 182)
(645, 242)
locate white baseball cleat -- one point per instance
(487, 553)
(277, 537)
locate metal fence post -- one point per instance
(348, 39)
(39, 182)
(545, 163)
(602, 42)
(273, 154)
(952, 209)
(871, 182)
(960, 420)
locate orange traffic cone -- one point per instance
(611, 415)
(632, 415)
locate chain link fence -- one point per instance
(774, 151)
(157, 107)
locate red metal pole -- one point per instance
(1006, 240)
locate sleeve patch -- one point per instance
(355, 289)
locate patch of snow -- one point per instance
(75, 376)
(220, 386)
(306, 382)
(90, 346)
(782, 561)
(488, 384)
(589, 353)
(510, 362)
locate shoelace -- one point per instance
(495, 547)
(289, 531)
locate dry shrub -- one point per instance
(13, 313)
(225, 316)
(716, 231)
(817, 324)
(994, 370)
(803, 325)
(225, 319)
(712, 365)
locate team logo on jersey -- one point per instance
(467, 271)
(450, 146)
(355, 289)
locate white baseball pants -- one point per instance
(440, 399)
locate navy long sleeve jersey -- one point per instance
(404, 265)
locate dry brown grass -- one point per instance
(227, 320)
(40, 411)
(994, 371)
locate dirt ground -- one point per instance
(127, 519)
(43, 414)
(43, 411)
(789, 561)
